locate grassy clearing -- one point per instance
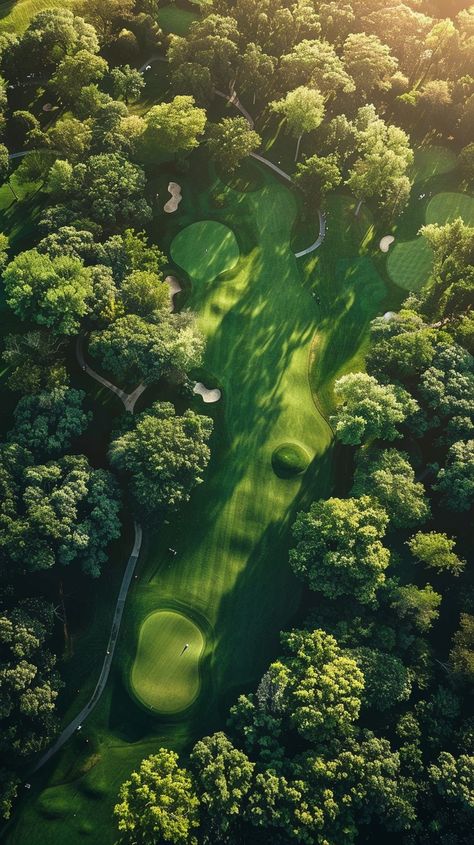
(432, 161)
(409, 263)
(176, 20)
(446, 207)
(164, 676)
(15, 16)
(206, 246)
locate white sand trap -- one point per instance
(176, 197)
(389, 315)
(208, 396)
(174, 287)
(386, 243)
(47, 107)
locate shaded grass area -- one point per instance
(176, 20)
(409, 263)
(446, 207)
(434, 199)
(165, 671)
(349, 292)
(15, 15)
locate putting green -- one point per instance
(206, 249)
(409, 263)
(165, 675)
(446, 207)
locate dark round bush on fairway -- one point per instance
(289, 459)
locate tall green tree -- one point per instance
(46, 423)
(174, 126)
(369, 63)
(368, 410)
(224, 777)
(232, 140)
(158, 803)
(163, 455)
(317, 176)
(134, 348)
(62, 512)
(339, 548)
(388, 476)
(52, 292)
(455, 481)
(435, 550)
(303, 110)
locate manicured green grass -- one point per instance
(289, 459)
(446, 207)
(409, 263)
(176, 20)
(432, 161)
(207, 246)
(350, 291)
(15, 16)
(164, 676)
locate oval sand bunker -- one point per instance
(208, 395)
(165, 675)
(386, 243)
(174, 287)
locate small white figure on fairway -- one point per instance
(185, 647)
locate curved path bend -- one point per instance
(128, 400)
(106, 665)
(233, 98)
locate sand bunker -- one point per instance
(174, 287)
(208, 396)
(389, 315)
(386, 243)
(176, 197)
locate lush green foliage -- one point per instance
(164, 455)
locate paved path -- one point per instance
(105, 671)
(233, 98)
(128, 399)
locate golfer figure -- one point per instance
(185, 647)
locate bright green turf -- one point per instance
(15, 16)
(409, 263)
(163, 677)
(289, 459)
(207, 245)
(432, 161)
(444, 208)
(175, 20)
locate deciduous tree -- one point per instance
(339, 549)
(164, 456)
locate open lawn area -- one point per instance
(173, 19)
(15, 16)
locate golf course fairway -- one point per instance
(165, 673)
